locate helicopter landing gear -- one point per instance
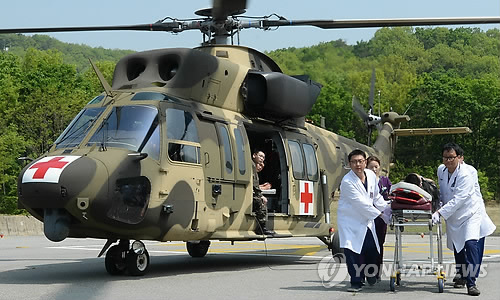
(115, 261)
(198, 248)
(134, 260)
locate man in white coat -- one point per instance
(359, 204)
(467, 223)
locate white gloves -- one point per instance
(435, 217)
(387, 214)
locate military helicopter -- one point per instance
(164, 153)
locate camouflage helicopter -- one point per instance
(164, 153)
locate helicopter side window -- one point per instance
(224, 135)
(78, 128)
(311, 163)
(297, 160)
(183, 142)
(240, 150)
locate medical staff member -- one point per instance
(359, 204)
(467, 223)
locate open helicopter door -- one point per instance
(275, 171)
(305, 197)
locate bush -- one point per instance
(8, 206)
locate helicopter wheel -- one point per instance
(197, 249)
(115, 262)
(336, 250)
(137, 264)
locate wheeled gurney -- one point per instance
(412, 206)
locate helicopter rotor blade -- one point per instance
(358, 108)
(354, 23)
(158, 26)
(223, 8)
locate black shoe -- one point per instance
(354, 288)
(269, 232)
(262, 230)
(473, 291)
(459, 283)
(371, 280)
(457, 277)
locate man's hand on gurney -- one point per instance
(386, 214)
(435, 217)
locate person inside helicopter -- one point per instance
(259, 201)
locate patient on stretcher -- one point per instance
(406, 195)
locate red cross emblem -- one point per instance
(43, 167)
(48, 169)
(306, 197)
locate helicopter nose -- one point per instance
(47, 185)
(54, 180)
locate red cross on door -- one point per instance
(306, 198)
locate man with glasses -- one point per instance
(360, 203)
(467, 223)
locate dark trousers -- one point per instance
(468, 261)
(381, 230)
(365, 262)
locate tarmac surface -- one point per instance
(31, 267)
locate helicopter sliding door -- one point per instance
(225, 170)
(304, 186)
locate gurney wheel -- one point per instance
(393, 284)
(440, 285)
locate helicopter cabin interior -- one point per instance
(275, 169)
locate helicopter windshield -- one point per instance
(78, 128)
(129, 127)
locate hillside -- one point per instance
(73, 54)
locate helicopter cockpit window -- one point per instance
(78, 128)
(240, 150)
(152, 146)
(127, 127)
(297, 160)
(183, 142)
(311, 163)
(96, 100)
(154, 96)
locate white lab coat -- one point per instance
(487, 226)
(358, 209)
(463, 206)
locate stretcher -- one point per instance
(412, 206)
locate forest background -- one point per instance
(440, 77)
